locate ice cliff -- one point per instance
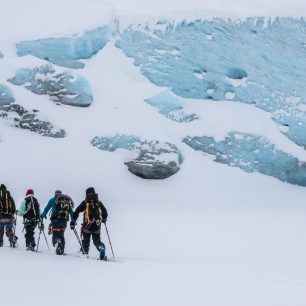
(256, 61)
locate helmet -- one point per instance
(58, 192)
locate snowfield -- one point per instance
(211, 235)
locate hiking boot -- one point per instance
(13, 242)
(104, 258)
(84, 253)
(30, 248)
(1, 243)
(59, 248)
(102, 252)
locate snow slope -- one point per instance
(210, 235)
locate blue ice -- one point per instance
(6, 95)
(171, 106)
(67, 51)
(66, 88)
(256, 61)
(252, 153)
(119, 141)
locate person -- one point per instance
(30, 211)
(61, 207)
(7, 219)
(94, 214)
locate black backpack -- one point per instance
(5, 202)
(31, 208)
(63, 205)
(93, 213)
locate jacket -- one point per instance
(89, 222)
(52, 205)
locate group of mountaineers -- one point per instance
(61, 207)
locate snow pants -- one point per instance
(29, 227)
(58, 228)
(96, 238)
(7, 226)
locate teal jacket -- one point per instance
(23, 206)
(22, 209)
(52, 205)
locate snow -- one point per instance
(209, 235)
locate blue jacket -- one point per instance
(52, 205)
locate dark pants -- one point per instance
(29, 227)
(58, 230)
(96, 238)
(7, 226)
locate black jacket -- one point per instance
(90, 221)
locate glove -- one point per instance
(104, 220)
(72, 224)
(41, 226)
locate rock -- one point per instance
(21, 118)
(154, 159)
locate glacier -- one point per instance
(65, 88)
(154, 159)
(252, 153)
(6, 96)
(257, 61)
(247, 61)
(171, 106)
(67, 51)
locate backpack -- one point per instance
(63, 205)
(5, 203)
(93, 213)
(31, 208)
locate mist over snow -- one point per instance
(188, 118)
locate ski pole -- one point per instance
(14, 233)
(38, 241)
(46, 240)
(79, 240)
(15, 223)
(109, 240)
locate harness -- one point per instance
(51, 230)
